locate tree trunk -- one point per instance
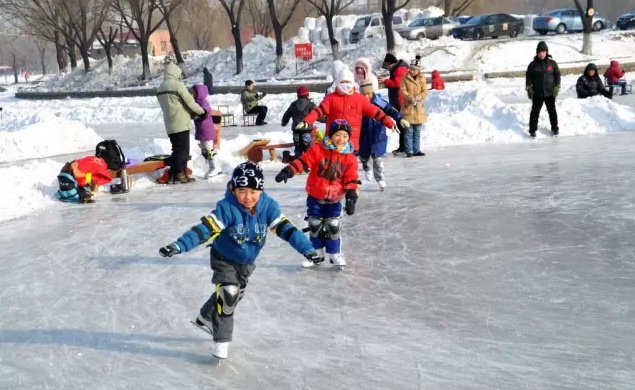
(15, 68)
(239, 49)
(587, 44)
(84, 53)
(335, 46)
(43, 61)
(448, 8)
(59, 54)
(174, 42)
(109, 58)
(72, 55)
(145, 59)
(390, 34)
(277, 30)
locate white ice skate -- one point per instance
(369, 175)
(337, 259)
(309, 264)
(213, 172)
(382, 184)
(220, 350)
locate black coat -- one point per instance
(297, 111)
(588, 86)
(393, 93)
(208, 80)
(543, 76)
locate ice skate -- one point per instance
(213, 172)
(369, 175)
(220, 350)
(203, 324)
(382, 185)
(309, 264)
(337, 260)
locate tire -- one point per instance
(597, 26)
(495, 37)
(543, 32)
(478, 34)
(421, 36)
(561, 29)
(513, 33)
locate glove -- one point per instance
(302, 126)
(285, 174)
(351, 199)
(530, 92)
(404, 123)
(170, 250)
(556, 91)
(395, 128)
(262, 94)
(313, 257)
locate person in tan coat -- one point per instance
(414, 90)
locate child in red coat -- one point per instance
(332, 178)
(437, 81)
(346, 103)
(614, 76)
(79, 179)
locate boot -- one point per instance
(382, 185)
(182, 178)
(369, 175)
(220, 350)
(419, 154)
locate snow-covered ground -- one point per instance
(445, 54)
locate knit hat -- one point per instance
(367, 86)
(303, 92)
(248, 175)
(542, 46)
(340, 124)
(248, 83)
(417, 63)
(390, 59)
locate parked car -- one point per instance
(431, 28)
(462, 19)
(372, 26)
(563, 20)
(626, 21)
(489, 25)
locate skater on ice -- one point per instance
(346, 103)
(364, 71)
(590, 84)
(373, 140)
(236, 231)
(414, 91)
(543, 86)
(397, 69)
(332, 178)
(302, 139)
(207, 134)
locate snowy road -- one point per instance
(482, 267)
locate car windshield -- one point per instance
(362, 22)
(421, 22)
(478, 19)
(553, 13)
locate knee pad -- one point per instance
(208, 154)
(315, 227)
(227, 296)
(333, 228)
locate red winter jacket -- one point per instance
(437, 81)
(350, 107)
(394, 82)
(331, 172)
(90, 170)
(614, 73)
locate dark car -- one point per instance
(489, 25)
(626, 21)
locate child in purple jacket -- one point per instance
(206, 132)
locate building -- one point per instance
(158, 45)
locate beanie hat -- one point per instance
(390, 59)
(340, 124)
(248, 175)
(416, 64)
(367, 86)
(248, 83)
(303, 92)
(542, 46)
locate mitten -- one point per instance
(302, 126)
(285, 174)
(170, 250)
(351, 199)
(530, 92)
(556, 91)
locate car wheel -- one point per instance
(597, 26)
(513, 33)
(561, 29)
(543, 32)
(495, 37)
(421, 36)
(478, 34)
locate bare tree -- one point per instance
(234, 10)
(258, 11)
(587, 25)
(388, 9)
(328, 9)
(167, 8)
(199, 21)
(453, 8)
(42, 46)
(279, 20)
(139, 14)
(107, 41)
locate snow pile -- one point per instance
(44, 134)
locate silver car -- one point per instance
(563, 20)
(431, 28)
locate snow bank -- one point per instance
(42, 135)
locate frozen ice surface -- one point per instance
(481, 267)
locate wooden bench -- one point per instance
(256, 153)
(142, 167)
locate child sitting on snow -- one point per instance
(373, 139)
(333, 176)
(237, 229)
(79, 179)
(302, 139)
(437, 81)
(206, 132)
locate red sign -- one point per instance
(304, 51)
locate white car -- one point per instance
(370, 26)
(430, 28)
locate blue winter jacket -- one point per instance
(373, 138)
(239, 236)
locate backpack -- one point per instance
(110, 151)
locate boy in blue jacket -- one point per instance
(237, 229)
(373, 139)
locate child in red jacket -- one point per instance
(79, 179)
(614, 76)
(437, 81)
(333, 177)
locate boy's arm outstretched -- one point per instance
(390, 111)
(299, 165)
(210, 227)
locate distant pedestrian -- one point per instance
(208, 80)
(543, 86)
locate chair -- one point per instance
(227, 118)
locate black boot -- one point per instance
(555, 132)
(419, 154)
(532, 134)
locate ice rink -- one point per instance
(481, 267)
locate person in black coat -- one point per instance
(208, 80)
(302, 139)
(543, 86)
(590, 84)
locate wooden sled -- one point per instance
(145, 167)
(255, 154)
(257, 142)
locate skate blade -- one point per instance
(204, 329)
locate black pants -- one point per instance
(180, 152)
(402, 133)
(225, 272)
(261, 111)
(550, 102)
